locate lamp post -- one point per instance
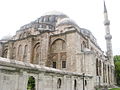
(83, 81)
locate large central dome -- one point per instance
(49, 21)
(54, 13)
(51, 17)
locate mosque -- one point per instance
(57, 54)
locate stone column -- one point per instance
(40, 81)
(30, 50)
(10, 48)
(22, 80)
(54, 87)
(44, 48)
(64, 83)
(1, 79)
(1, 49)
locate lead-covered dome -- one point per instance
(66, 21)
(46, 21)
(51, 17)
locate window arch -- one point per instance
(83, 46)
(5, 53)
(52, 18)
(97, 63)
(31, 83)
(36, 54)
(24, 34)
(58, 48)
(75, 84)
(25, 53)
(20, 52)
(59, 82)
(21, 36)
(100, 67)
(58, 45)
(103, 72)
(85, 82)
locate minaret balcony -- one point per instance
(108, 37)
(106, 22)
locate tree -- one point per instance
(31, 83)
(117, 68)
(117, 58)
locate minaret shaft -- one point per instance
(108, 36)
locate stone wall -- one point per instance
(14, 75)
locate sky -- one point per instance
(86, 13)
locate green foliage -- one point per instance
(31, 83)
(117, 68)
(115, 89)
(117, 58)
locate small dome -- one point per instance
(66, 21)
(6, 38)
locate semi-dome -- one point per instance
(7, 37)
(66, 21)
(88, 34)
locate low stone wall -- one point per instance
(14, 75)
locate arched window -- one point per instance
(54, 65)
(58, 45)
(91, 48)
(5, 53)
(46, 19)
(41, 19)
(59, 83)
(103, 72)
(75, 85)
(25, 53)
(85, 82)
(36, 54)
(100, 68)
(58, 48)
(83, 46)
(97, 72)
(40, 26)
(31, 83)
(24, 34)
(63, 64)
(52, 18)
(20, 52)
(21, 36)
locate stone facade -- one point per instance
(14, 75)
(54, 41)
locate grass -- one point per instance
(115, 89)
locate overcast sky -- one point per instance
(86, 13)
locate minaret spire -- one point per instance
(105, 9)
(108, 36)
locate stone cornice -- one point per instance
(7, 64)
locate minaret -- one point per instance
(108, 36)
